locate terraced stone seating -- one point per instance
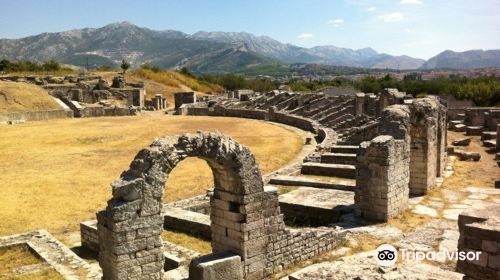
(339, 158)
(329, 169)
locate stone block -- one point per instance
(462, 142)
(222, 265)
(463, 155)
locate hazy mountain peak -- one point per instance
(466, 59)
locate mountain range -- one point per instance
(212, 51)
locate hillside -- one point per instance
(167, 83)
(464, 60)
(16, 97)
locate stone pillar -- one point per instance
(372, 105)
(360, 104)
(498, 137)
(441, 140)
(130, 246)
(424, 131)
(382, 168)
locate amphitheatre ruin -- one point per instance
(112, 182)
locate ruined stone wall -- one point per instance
(130, 227)
(367, 104)
(246, 113)
(475, 116)
(382, 168)
(36, 115)
(291, 246)
(362, 133)
(245, 217)
(292, 120)
(492, 118)
(389, 96)
(89, 236)
(100, 111)
(480, 233)
(184, 98)
(424, 118)
(453, 113)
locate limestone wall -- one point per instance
(480, 233)
(245, 113)
(184, 98)
(36, 115)
(194, 111)
(271, 115)
(382, 168)
(492, 118)
(297, 121)
(88, 235)
(362, 133)
(475, 116)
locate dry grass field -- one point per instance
(15, 97)
(17, 257)
(56, 174)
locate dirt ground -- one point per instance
(471, 173)
(57, 174)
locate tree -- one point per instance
(185, 71)
(125, 66)
(51, 65)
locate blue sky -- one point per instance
(419, 28)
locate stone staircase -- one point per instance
(339, 163)
(339, 158)
(329, 169)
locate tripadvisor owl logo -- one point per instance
(386, 255)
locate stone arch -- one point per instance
(129, 228)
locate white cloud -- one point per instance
(336, 22)
(371, 9)
(392, 17)
(411, 2)
(305, 36)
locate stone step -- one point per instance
(315, 207)
(490, 143)
(329, 169)
(460, 128)
(453, 124)
(340, 158)
(488, 135)
(457, 122)
(345, 149)
(474, 130)
(187, 221)
(345, 185)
